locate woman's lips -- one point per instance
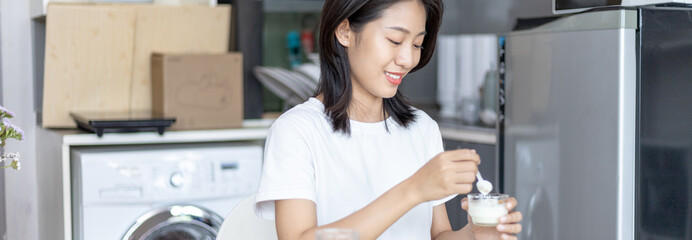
(394, 78)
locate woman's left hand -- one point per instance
(509, 224)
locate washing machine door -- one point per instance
(176, 222)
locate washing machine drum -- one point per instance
(179, 222)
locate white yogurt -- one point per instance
(484, 186)
(486, 210)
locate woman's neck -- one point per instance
(366, 109)
(369, 110)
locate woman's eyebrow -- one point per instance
(404, 30)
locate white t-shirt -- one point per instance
(305, 159)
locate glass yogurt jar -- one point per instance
(486, 210)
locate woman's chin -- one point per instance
(389, 94)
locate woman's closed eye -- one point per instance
(394, 42)
(417, 46)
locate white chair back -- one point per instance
(243, 224)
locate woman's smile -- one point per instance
(394, 78)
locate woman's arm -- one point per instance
(441, 228)
(296, 218)
(448, 173)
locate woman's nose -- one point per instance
(405, 57)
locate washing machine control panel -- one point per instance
(177, 180)
(170, 174)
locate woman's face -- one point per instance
(385, 50)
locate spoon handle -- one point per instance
(478, 175)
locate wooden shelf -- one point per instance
(251, 130)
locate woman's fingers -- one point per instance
(465, 166)
(461, 176)
(463, 182)
(461, 155)
(464, 154)
(464, 177)
(508, 237)
(512, 217)
(509, 228)
(463, 188)
(460, 166)
(465, 204)
(511, 203)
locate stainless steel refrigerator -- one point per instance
(595, 136)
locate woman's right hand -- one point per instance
(450, 172)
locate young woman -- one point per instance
(357, 155)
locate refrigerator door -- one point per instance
(569, 6)
(664, 170)
(568, 136)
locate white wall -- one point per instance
(3, 225)
(17, 95)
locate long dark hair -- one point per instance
(335, 81)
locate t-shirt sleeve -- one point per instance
(288, 171)
(436, 147)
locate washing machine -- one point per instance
(173, 191)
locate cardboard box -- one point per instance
(202, 91)
(174, 29)
(98, 56)
(88, 61)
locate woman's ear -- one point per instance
(343, 33)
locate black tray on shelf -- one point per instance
(101, 122)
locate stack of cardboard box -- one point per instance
(99, 58)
